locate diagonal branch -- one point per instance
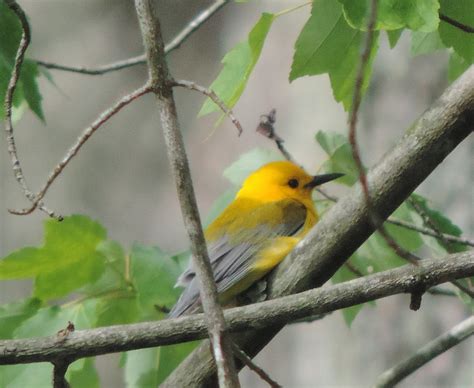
(177, 41)
(104, 340)
(346, 225)
(163, 89)
(455, 23)
(81, 140)
(214, 97)
(439, 345)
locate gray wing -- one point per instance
(230, 261)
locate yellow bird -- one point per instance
(270, 214)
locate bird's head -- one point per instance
(282, 180)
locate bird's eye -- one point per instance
(293, 183)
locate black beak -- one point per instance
(323, 178)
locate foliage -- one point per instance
(330, 42)
(27, 92)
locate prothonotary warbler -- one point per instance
(270, 214)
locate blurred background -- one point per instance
(122, 178)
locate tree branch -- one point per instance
(455, 23)
(59, 374)
(431, 232)
(162, 85)
(346, 225)
(439, 345)
(118, 338)
(9, 131)
(81, 140)
(214, 97)
(246, 360)
(179, 39)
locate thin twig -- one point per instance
(455, 23)
(356, 101)
(431, 223)
(266, 127)
(431, 232)
(214, 97)
(179, 39)
(428, 352)
(81, 140)
(427, 220)
(246, 360)
(291, 308)
(353, 269)
(160, 80)
(11, 145)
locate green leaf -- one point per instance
(154, 275)
(327, 44)
(85, 376)
(149, 367)
(47, 321)
(462, 42)
(394, 14)
(27, 86)
(13, 314)
(394, 36)
(113, 277)
(141, 367)
(457, 66)
(340, 157)
(248, 163)
(68, 258)
(425, 42)
(238, 65)
(343, 274)
(443, 223)
(33, 97)
(330, 141)
(118, 308)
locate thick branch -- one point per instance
(347, 225)
(424, 355)
(161, 82)
(177, 41)
(59, 375)
(94, 342)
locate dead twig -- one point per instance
(9, 130)
(455, 23)
(86, 134)
(246, 360)
(214, 97)
(266, 128)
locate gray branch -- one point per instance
(347, 225)
(162, 85)
(177, 41)
(424, 355)
(119, 338)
